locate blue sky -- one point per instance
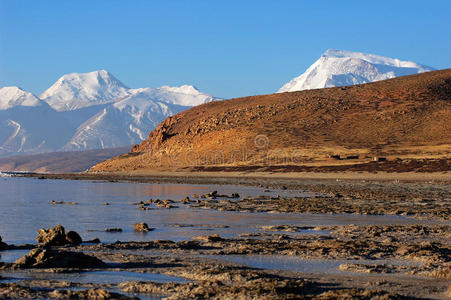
(225, 48)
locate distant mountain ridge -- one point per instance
(342, 68)
(83, 111)
(93, 110)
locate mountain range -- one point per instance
(95, 110)
(84, 111)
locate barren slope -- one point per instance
(404, 117)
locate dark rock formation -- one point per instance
(73, 238)
(46, 258)
(2, 245)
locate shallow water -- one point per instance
(96, 277)
(297, 264)
(25, 207)
(10, 256)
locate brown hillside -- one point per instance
(405, 117)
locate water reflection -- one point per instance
(25, 207)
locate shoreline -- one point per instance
(248, 178)
(371, 260)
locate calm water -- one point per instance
(25, 207)
(298, 264)
(97, 277)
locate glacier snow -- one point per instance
(342, 68)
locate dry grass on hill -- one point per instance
(405, 118)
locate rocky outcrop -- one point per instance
(47, 258)
(57, 237)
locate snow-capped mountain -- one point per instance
(130, 120)
(341, 68)
(87, 111)
(12, 96)
(29, 125)
(185, 95)
(78, 90)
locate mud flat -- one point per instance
(367, 240)
(386, 262)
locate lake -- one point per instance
(25, 206)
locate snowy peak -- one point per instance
(77, 90)
(185, 95)
(130, 119)
(375, 59)
(341, 68)
(12, 96)
(184, 89)
(88, 111)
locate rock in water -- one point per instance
(57, 237)
(73, 238)
(2, 245)
(46, 258)
(142, 227)
(51, 237)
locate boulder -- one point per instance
(73, 238)
(142, 227)
(52, 236)
(57, 237)
(47, 258)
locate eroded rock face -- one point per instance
(46, 258)
(57, 237)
